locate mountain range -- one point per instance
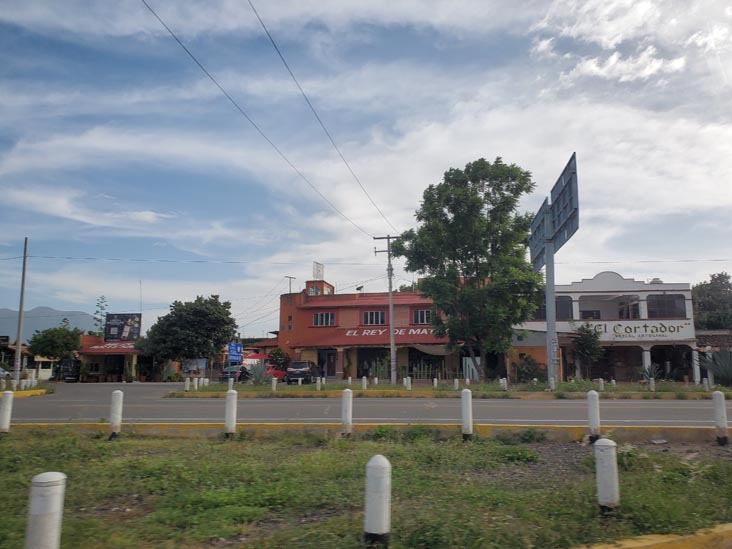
(41, 318)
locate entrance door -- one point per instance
(327, 362)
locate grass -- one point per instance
(307, 490)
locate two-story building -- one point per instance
(641, 325)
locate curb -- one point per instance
(29, 393)
(719, 537)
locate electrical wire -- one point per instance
(253, 124)
(192, 261)
(317, 116)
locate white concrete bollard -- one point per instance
(273, 383)
(23, 384)
(187, 384)
(409, 384)
(593, 415)
(705, 384)
(231, 395)
(606, 472)
(299, 381)
(195, 384)
(466, 408)
(317, 384)
(231, 384)
(710, 376)
(364, 383)
(612, 382)
(404, 382)
(652, 385)
(601, 385)
(206, 381)
(349, 380)
(552, 384)
(13, 385)
(467, 381)
(115, 414)
(720, 417)
(434, 382)
(456, 384)
(377, 519)
(6, 411)
(347, 411)
(376, 381)
(45, 511)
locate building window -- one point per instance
(422, 316)
(563, 304)
(314, 290)
(590, 315)
(374, 318)
(666, 306)
(324, 319)
(628, 310)
(289, 318)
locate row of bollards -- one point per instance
(30, 383)
(195, 383)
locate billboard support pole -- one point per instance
(551, 309)
(19, 340)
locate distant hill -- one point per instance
(42, 318)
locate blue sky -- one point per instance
(114, 144)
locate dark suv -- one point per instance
(237, 373)
(302, 369)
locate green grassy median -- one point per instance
(307, 490)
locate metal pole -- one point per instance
(390, 274)
(552, 344)
(290, 279)
(19, 340)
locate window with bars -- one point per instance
(374, 318)
(422, 316)
(324, 319)
(666, 306)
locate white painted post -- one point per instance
(434, 382)
(606, 472)
(404, 382)
(409, 384)
(593, 415)
(22, 384)
(601, 385)
(349, 380)
(231, 383)
(376, 381)
(705, 384)
(317, 384)
(13, 385)
(299, 381)
(612, 382)
(206, 381)
(552, 384)
(347, 411)
(6, 411)
(115, 415)
(466, 407)
(710, 375)
(377, 519)
(695, 370)
(274, 384)
(652, 385)
(467, 381)
(195, 384)
(45, 511)
(364, 383)
(720, 417)
(187, 385)
(231, 395)
(456, 384)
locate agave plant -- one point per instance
(719, 363)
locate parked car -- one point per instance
(302, 369)
(274, 372)
(238, 373)
(4, 373)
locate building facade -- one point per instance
(643, 326)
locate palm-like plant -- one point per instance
(719, 363)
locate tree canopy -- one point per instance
(58, 342)
(587, 348)
(713, 303)
(192, 329)
(279, 358)
(470, 246)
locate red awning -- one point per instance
(256, 356)
(112, 348)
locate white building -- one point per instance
(641, 325)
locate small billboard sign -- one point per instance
(122, 327)
(235, 352)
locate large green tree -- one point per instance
(470, 246)
(713, 303)
(587, 349)
(57, 343)
(192, 329)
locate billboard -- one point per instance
(122, 327)
(318, 271)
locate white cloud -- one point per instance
(641, 67)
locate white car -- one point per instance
(4, 373)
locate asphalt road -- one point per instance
(145, 402)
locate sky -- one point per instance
(134, 177)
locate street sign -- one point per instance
(537, 239)
(236, 350)
(564, 210)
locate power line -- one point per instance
(317, 116)
(192, 261)
(253, 124)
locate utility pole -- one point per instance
(390, 273)
(291, 278)
(19, 339)
(552, 341)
